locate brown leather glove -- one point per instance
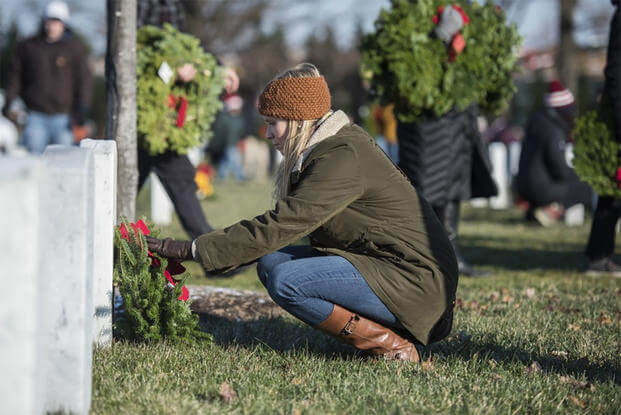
(169, 248)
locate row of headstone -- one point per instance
(504, 161)
(57, 247)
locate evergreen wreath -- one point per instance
(174, 115)
(596, 154)
(155, 301)
(413, 69)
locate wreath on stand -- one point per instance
(430, 56)
(174, 115)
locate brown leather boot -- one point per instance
(368, 335)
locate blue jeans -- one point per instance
(308, 284)
(44, 129)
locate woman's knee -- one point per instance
(262, 271)
(280, 286)
(266, 264)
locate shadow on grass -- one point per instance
(484, 351)
(489, 251)
(278, 334)
(281, 335)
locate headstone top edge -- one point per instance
(67, 157)
(103, 144)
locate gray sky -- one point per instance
(538, 21)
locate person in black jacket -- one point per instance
(544, 177)
(600, 246)
(446, 161)
(50, 72)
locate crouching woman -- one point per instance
(380, 273)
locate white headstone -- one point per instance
(104, 215)
(66, 264)
(20, 367)
(161, 206)
(498, 157)
(256, 159)
(515, 149)
(574, 215)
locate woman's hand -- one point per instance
(169, 248)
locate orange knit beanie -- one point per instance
(305, 98)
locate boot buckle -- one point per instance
(350, 327)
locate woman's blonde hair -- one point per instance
(298, 134)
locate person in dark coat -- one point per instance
(228, 130)
(380, 273)
(446, 160)
(544, 177)
(174, 170)
(600, 246)
(50, 72)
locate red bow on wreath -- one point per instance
(173, 267)
(453, 20)
(180, 104)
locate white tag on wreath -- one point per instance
(165, 72)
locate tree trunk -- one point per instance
(567, 48)
(121, 96)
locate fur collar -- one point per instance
(329, 127)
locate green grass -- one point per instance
(537, 307)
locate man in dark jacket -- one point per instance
(446, 160)
(544, 177)
(50, 73)
(602, 238)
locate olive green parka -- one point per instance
(352, 201)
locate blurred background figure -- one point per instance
(446, 160)
(386, 121)
(50, 73)
(175, 170)
(601, 245)
(228, 130)
(545, 180)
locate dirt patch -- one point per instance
(236, 305)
